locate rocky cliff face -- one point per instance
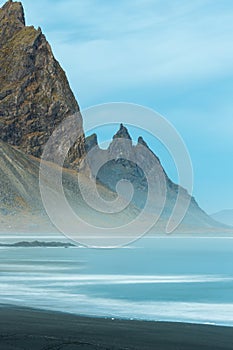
(35, 95)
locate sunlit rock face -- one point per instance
(35, 96)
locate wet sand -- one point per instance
(23, 328)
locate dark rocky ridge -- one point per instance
(35, 95)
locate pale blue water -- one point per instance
(175, 279)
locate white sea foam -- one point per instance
(114, 279)
(209, 313)
(167, 281)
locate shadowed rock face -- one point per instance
(35, 95)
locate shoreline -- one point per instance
(28, 328)
(113, 318)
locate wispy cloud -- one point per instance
(128, 43)
(115, 44)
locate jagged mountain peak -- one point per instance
(12, 20)
(13, 12)
(141, 141)
(122, 133)
(91, 142)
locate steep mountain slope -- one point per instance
(21, 207)
(35, 95)
(19, 181)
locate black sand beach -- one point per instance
(22, 328)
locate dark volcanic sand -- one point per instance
(22, 328)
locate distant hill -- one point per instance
(224, 216)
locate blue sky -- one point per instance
(175, 56)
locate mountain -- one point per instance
(135, 160)
(224, 216)
(35, 95)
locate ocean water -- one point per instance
(162, 279)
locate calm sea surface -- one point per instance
(176, 279)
